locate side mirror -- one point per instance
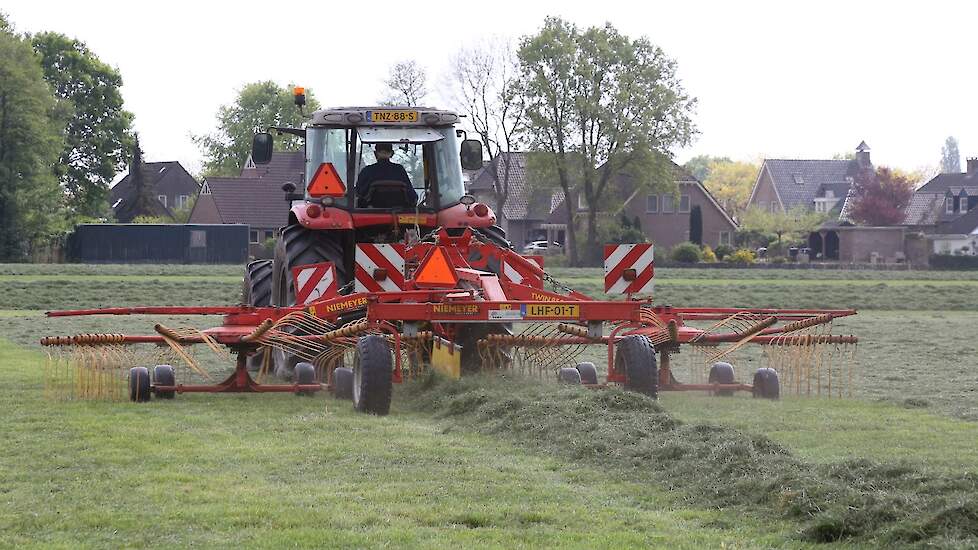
(471, 154)
(261, 148)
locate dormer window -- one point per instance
(829, 194)
(799, 180)
(949, 205)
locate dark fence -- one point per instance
(165, 243)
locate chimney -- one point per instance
(973, 165)
(862, 155)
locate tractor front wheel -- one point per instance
(635, 357)
(372, 375)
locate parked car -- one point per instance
(542, 247)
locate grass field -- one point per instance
(439, 473)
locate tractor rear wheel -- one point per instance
(766, 384)
(589, 373)
(256, 291)
(722, 373)
(343, 383)
(635, 357)
(372, 375)
(164, 375)
(300, 246)
(139, 386)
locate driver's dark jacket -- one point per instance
(383, 170)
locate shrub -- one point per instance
(723, 251)
(686, 253)
(741, 256)
(708, 255)
(778, 260)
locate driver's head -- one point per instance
(383, 151)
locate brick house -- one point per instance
(946, 210)
(174, 188)
(255, 198)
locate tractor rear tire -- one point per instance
(343, 383)
(636, 358)
(300, 246)
(372, 375)
(256, 291)
(139, 386)
(569, 375)
(722, 373)
(164, 375)
(766, 384)
(305, 373)
(589, 373)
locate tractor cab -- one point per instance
(382, 168)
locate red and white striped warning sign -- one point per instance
(379, 267)
(628, 268)
(314, 281)
(523, 270)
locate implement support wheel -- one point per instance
(343, 383)
(139, 386)
(372, 375)
(305, 373)
(722, 373)
(635, 357)
(766, 384)
(589, 373)
(568, 375)
(164, 375)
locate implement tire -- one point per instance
(635, 357)
(164, 375)
(305, 373)
(722, 373)
(766, 384)
(589, 373)
(569, 375)
(300, 246)
(343, 383)
(139, 385)
(373, 373)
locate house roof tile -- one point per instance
(941, 183)
(251, 201)
(924, 209)
(800, 181)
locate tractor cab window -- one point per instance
(429, 156)
(326, 145)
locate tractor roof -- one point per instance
(384, 116)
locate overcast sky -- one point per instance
(773, 79)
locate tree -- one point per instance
(602, 105)
(950, 157)
(406, 84)
(258, 106)
(699, 166)
(880, 197)
(731, 183)
(696, 225)
(97, 135)
(142, 201)
(793, 225)
(31, 120)
(488, 88)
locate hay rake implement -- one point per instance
(460, 303)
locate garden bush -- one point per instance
(686, 253)
(741, 256)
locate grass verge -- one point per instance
(859, 500)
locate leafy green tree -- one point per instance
(601, 105)
(696, 225)
(30, 141)
(97, 136)
(793, 225)
(950, 156)
(258, 106)
(731, 183)
(699, 166)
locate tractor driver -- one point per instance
(383, 170)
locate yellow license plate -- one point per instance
(392, 116)
(552, 310)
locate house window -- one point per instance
(799, 179)
(652, 204)
(581, 202)
(162, 199)
(963, 204)
(667, 204)
(253, 236)
(269, 234)
(684, 204)
(725, 237)
(949, 205)
(183, 200)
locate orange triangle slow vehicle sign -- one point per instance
(326, 182)
(436, 270)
